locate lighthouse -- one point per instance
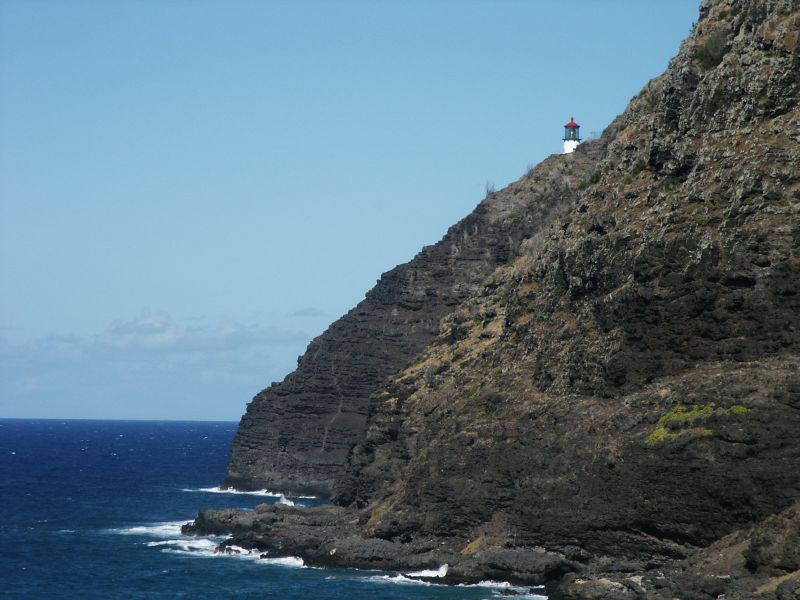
(572, 136)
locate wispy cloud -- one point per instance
(308, 311)
(157, 331)
(148, 366)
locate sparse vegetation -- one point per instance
(690, 208)
(490, 189)
(702, 220)
(652, 95)
(710, 51)
(429, 377)
(474, 546)
(683, 414)
(378, 512)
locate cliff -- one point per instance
(297, 435)
(611, 404)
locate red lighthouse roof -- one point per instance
(572, 123)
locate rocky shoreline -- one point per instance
(332, 537)
(756, 562)
(761, 561)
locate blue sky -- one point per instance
(191, 190)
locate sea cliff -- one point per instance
(593, 381)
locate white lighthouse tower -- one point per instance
(572, 136)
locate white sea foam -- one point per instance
(162, 530)
(219, 490)
(412, 578)
(489, 584)
(266, 493)
(187, 544)
(520, 592)
(498, 587)
(440, 572)
(401, 579)
(172, 542)
(285, 561)
(284, 500)
(208, 547)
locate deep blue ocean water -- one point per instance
(92, 509)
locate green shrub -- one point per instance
(709, 53)
(677, 415)
(702, 220)
(681, 414)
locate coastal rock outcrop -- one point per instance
(613, 392)
(632, 383)
(297, 435)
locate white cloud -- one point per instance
(149, 366)
(157, 331)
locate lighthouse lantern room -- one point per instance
(572, 136)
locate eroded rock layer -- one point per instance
(297, 434)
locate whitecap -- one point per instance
(208, 547)
(202, 545)
(219, 490)
(521, 592)
(285, 501)
(440, 572)
(162, 530)
(265, 492)
(489, 584)
(399, 578)
(285, 561)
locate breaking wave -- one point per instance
(209, 548)
(166, 529)
(266, 493)
(173, 542)
(498, 588)
(440, 572)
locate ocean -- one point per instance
(93, 509)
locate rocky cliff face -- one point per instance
(620, 397)
(297, 435)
